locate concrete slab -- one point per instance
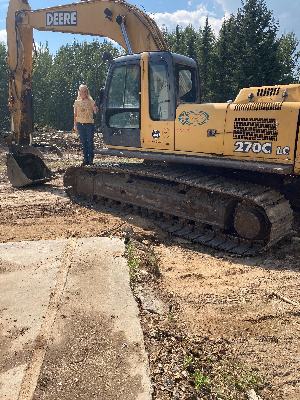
(69, 323)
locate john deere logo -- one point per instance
(194, 118)
(61, 18)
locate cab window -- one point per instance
(159, 91)
(186, 84)
(123, 105)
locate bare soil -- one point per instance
(217, 325)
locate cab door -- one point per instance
(158, 101)
(121, 110)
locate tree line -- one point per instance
(56, 78)
(248, 51)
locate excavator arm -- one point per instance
(130, 27)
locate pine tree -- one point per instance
(289, 57)
(41, 83)
(225, 76)
(191, 42)
(179, 41)
(257, 45)
(206, 61)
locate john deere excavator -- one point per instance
(225, 175)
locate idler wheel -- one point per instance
(250, 223)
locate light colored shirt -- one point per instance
(84, 111)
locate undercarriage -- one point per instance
(205, 207)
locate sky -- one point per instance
(169, 13)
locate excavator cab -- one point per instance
(142, 94)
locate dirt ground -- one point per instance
(217, 325)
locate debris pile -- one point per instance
(64, 140)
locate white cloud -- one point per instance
(183, 18)
(223, 4)
(229, 6)
(3, 35)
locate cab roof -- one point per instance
(177, 58)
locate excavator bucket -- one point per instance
(25, 169)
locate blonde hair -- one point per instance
(88, 92)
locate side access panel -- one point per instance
(199, 128)
(262, 131)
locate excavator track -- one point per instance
(226, 214)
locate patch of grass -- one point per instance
(232, 380)
(151, 262)
(133, 260)
(248, 380)
(220, 378)
(171, 317)
(201, 381)
(188, 362)
(141, 258)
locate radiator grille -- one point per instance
(255, 129)
(258, 107)
(268, 91)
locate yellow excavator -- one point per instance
(225, 175)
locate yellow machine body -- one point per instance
(260, 125)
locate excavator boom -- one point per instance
(130, 27)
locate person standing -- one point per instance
(84, 110)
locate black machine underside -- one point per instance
(224, 213)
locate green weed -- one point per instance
(133, 260)
(201, 381)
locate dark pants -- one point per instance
(86, 134)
